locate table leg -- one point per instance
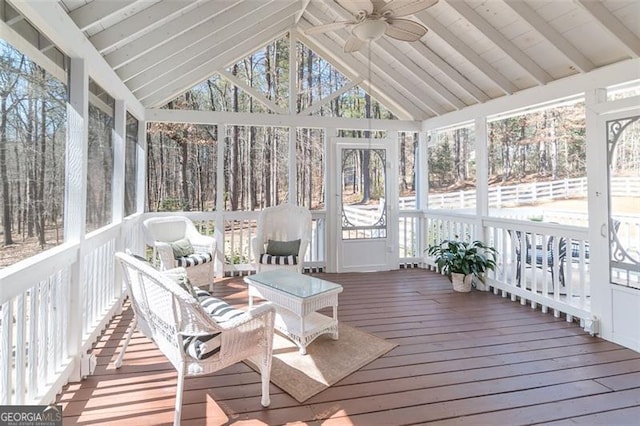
(334, 336)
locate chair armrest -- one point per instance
(165, 253)
(304, 245)
(203, 243)
(250, 315)
(258, 247)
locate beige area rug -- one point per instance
(327, 360)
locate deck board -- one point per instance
(473, 358)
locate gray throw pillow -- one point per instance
(283, 248)
(182, 248)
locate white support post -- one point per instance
(293, 95)
(219, 224)
(482, 173)
(597, 179)
(76, 200)
(331, 173)
(422, 171)
(119, 142)
(141, 169)
(422, 190)
(118, 186)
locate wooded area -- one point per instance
(256, 158)
(33, 117)
(182, 159)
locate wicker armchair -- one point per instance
(161, 232)
(283, 223)
(173, 317)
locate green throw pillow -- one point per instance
(283, 248)
(182, 248)
(179, 276)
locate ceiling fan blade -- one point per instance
(353, 44)
(396, 8)
(318, 29)
(405, 30)
(355, 6)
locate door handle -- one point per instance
(603, 230)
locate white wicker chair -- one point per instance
(160, 232)
(285, 222)
(171, 314)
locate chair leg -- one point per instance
(132, 327)
(179, 390)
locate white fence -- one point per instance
(525, 193)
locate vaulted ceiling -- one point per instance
(475, 50)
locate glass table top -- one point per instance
(298, 285)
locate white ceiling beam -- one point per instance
(305, 3)
(422, 76)
(466, 52)
(253, 119)
(379, 88)
(384, 47)
(576, 84)
(57, 26)
(497, 38)
(173, 68)
(192, 73)
(260, 97)
(153, 16)
(93, 12)
(169, 31)
(449, 72)
(201, 37)
(8, 34)
(322, 102)
(547, 31)
(613, 26)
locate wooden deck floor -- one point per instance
(471, 358)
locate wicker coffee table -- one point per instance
(297, 299)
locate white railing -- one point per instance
(53, 306)
(522, 276)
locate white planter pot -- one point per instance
(461, 282)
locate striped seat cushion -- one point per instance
(268, 259)
(194, 259)
(203, 347)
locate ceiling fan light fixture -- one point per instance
(370, 29)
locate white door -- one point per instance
(615, 225)
(366, 207)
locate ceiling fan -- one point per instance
(373, 18)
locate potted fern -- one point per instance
(461, 261)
